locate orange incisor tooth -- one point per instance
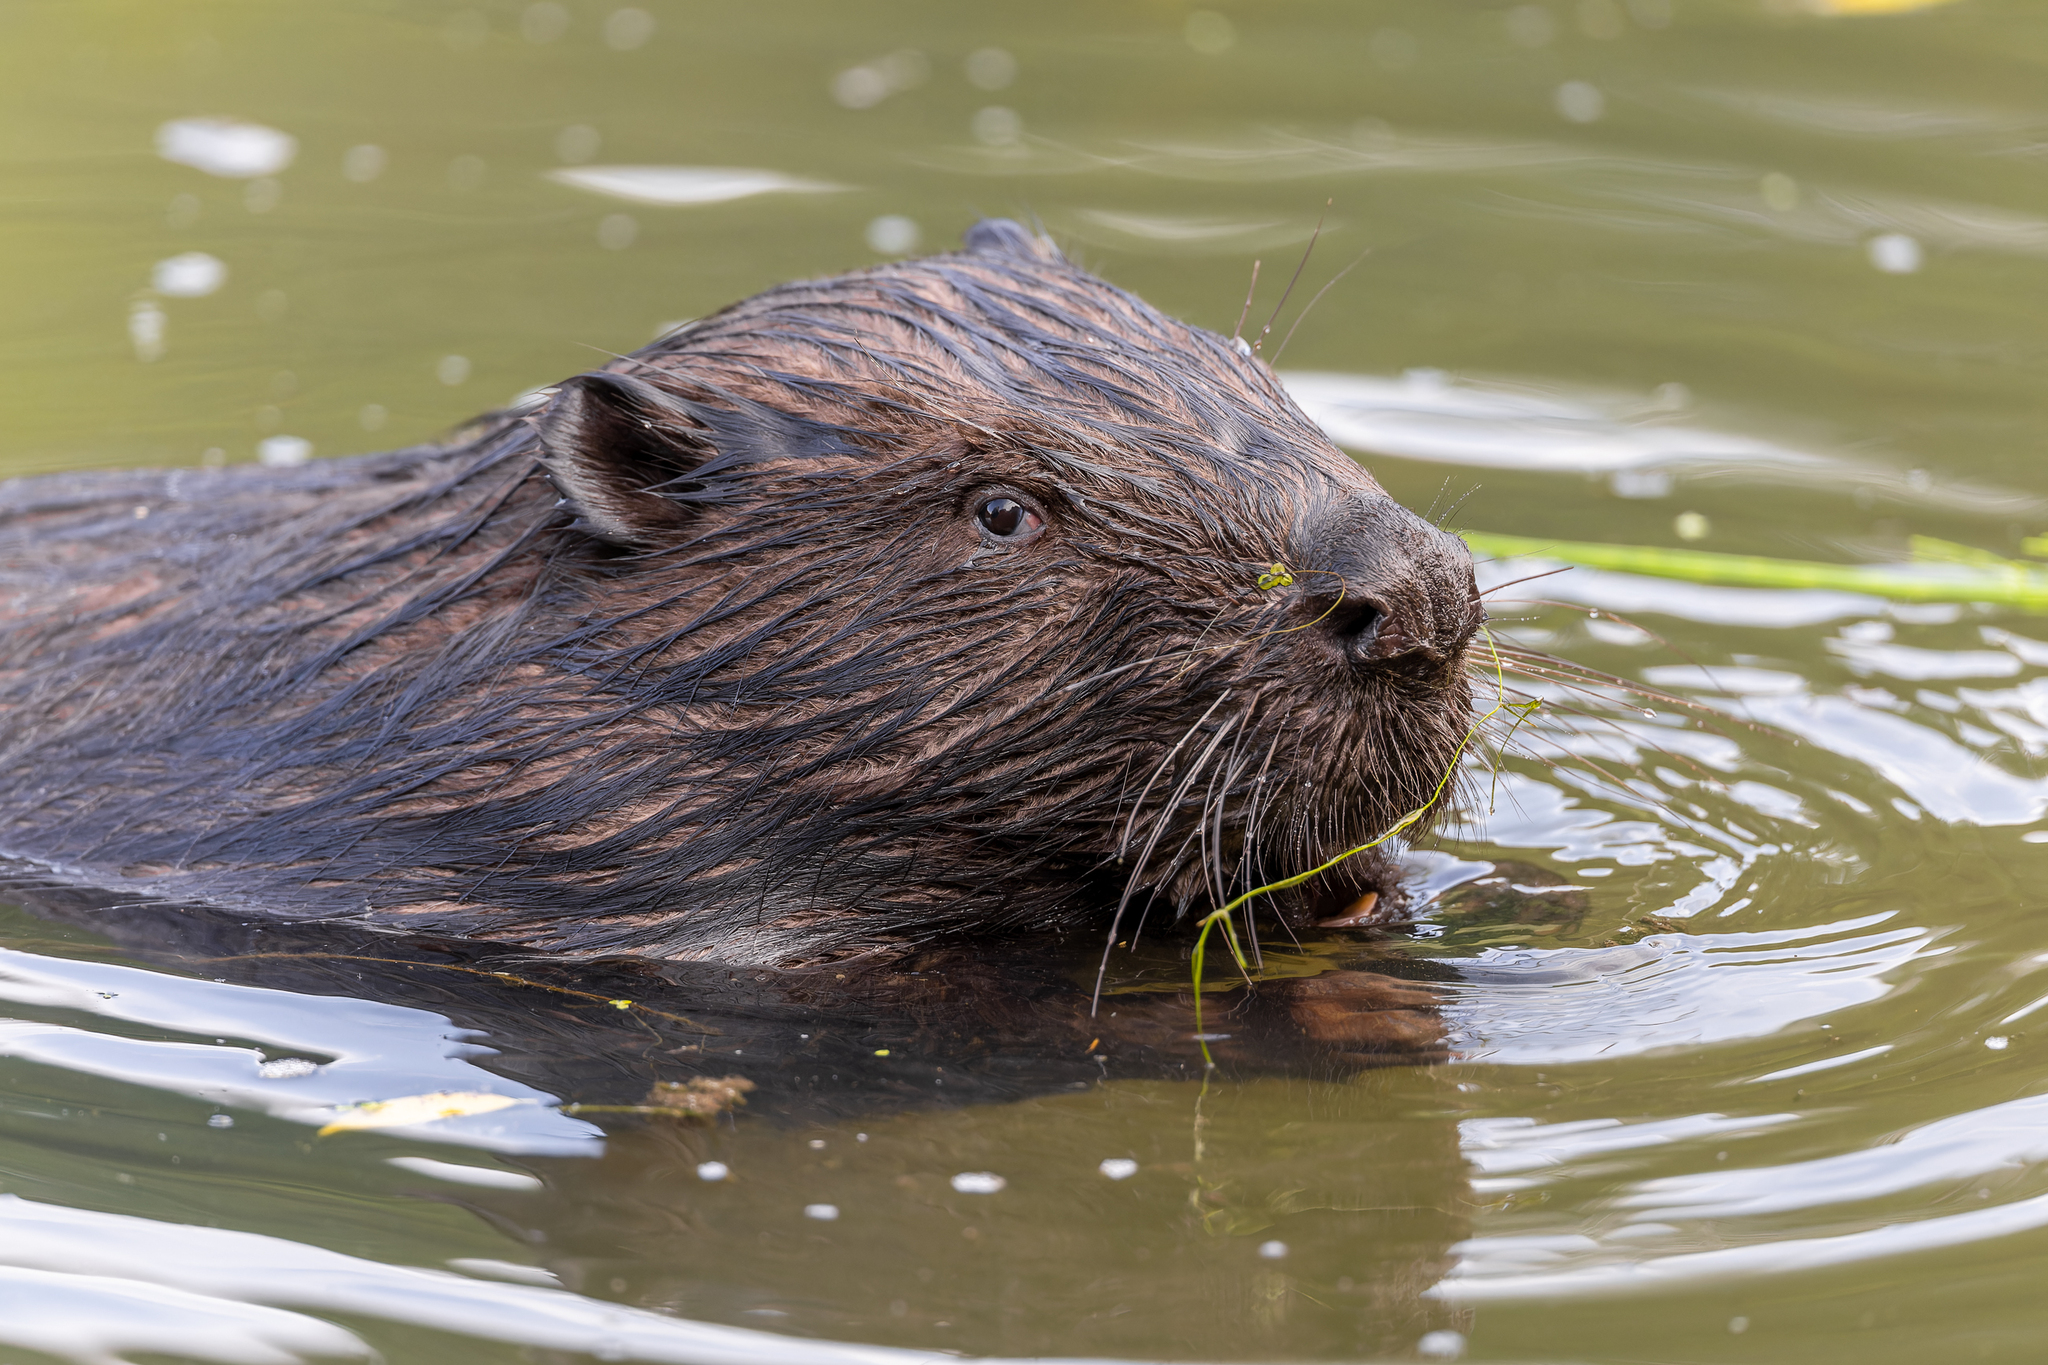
(1355, 914)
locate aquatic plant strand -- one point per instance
(1939, 571)
(1224, 916)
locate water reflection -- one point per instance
(681, 185)
(371, 1016)
(874, 1104)
(103, 1317)
(1875, 116)
(1535, 1006)
(1642, 442)
(1652, 1238)
(1263, 155)
(359, 1049)
(1190, 233)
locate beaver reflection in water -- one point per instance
(920, 601)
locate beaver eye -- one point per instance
(1007, 519)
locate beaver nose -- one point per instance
(1395, 587)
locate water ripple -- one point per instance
(1554, 1005)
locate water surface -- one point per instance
(1744, 997)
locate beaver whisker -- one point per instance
(1452, 510)
(1531, 578)
(1210, 821)
(1580, 678)
(1300, 266)
(1252, 860)
(1429, 513)
(1613, 616)
(1171, 807)
(1238, 331)
(1310, 306)
(1136, 877)
(1230, 788)
(1125, 842)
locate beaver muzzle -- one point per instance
(1396, 589)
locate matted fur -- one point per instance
(710, 658)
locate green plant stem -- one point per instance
(1939, 571)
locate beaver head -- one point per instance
(951, 594)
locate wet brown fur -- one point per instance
(708, 657)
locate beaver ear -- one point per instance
(614, 448)
(1007, 237)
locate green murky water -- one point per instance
(1765, 1082)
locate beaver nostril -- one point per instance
(1354, 623)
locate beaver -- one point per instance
(939, 598)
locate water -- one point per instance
(1752, 1070)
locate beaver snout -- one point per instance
(1396, 587)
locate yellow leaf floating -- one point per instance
(1874, 6)
(408, 1110)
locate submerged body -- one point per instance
(934, 598)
